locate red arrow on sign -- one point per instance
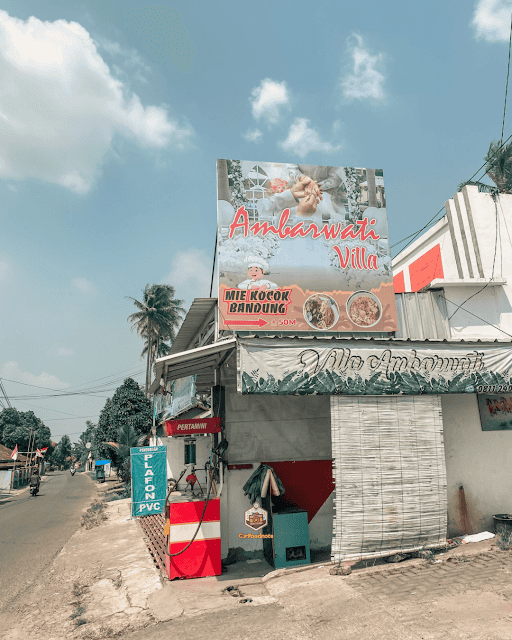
(259, 323)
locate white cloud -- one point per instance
(83, 285)
(268, 99)
(253, 136)
(12, 371)
(65, 352)
(364, 81)
(191, 275)
(60, 106)
(492, 20)
(130, 58)
(302, 139)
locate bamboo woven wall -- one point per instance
(390, 476)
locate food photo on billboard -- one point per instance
(303, 248)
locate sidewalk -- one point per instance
(104, 582)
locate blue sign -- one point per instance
(99, 463)
(149, 480)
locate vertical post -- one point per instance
(13, 474)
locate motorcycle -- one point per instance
(72, 471)
(34, 489)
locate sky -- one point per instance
(112, 116)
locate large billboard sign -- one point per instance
(303, 248)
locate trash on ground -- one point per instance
(477, 537)
(398, 557)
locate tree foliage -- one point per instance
(156, 321)
(15, 429)
(80, 451)
(498, 166)
(128, 410)
(126, 439)
(62, 452)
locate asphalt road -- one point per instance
(34, 529)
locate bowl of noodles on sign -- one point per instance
(364, 309)
(321, 312)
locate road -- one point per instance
(34, 530)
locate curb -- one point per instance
(411, 562)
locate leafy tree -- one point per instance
(12, 430)
(106, 431)
(62, 451)
(16, 427)
(157, 319)
(128, 408)
(127, 438)
(80, 451)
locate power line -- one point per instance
(474, 314)
(74, 418)
(416, 233)
(139, 372)
(62, 392)
(506, 85)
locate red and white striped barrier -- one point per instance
(203, 557)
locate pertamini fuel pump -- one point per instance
(193, 520)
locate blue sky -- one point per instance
(112, 115)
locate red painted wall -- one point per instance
(307, 484)
(426, 268)
(399, 282)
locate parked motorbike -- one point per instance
(34, 489)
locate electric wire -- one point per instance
(508, 72)
(474, 314)
(431, 221)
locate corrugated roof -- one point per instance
(195, 317)
(200, 362)
(5, 455)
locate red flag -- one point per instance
(38, 454)
(14, 454)
(43, 451)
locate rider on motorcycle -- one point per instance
(35, 479)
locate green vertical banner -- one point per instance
(149, 480)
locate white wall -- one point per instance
(478, 460)
(5, 479)
(176, 457)
(491, 220)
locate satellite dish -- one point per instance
(88, 445)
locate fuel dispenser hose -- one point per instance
(198, 526)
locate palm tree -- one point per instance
(499, 166)
(127, 438)
(157, 320)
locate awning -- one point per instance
(200, 362)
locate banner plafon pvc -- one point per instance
(149, 480)
(300, 367)
(303, 248)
